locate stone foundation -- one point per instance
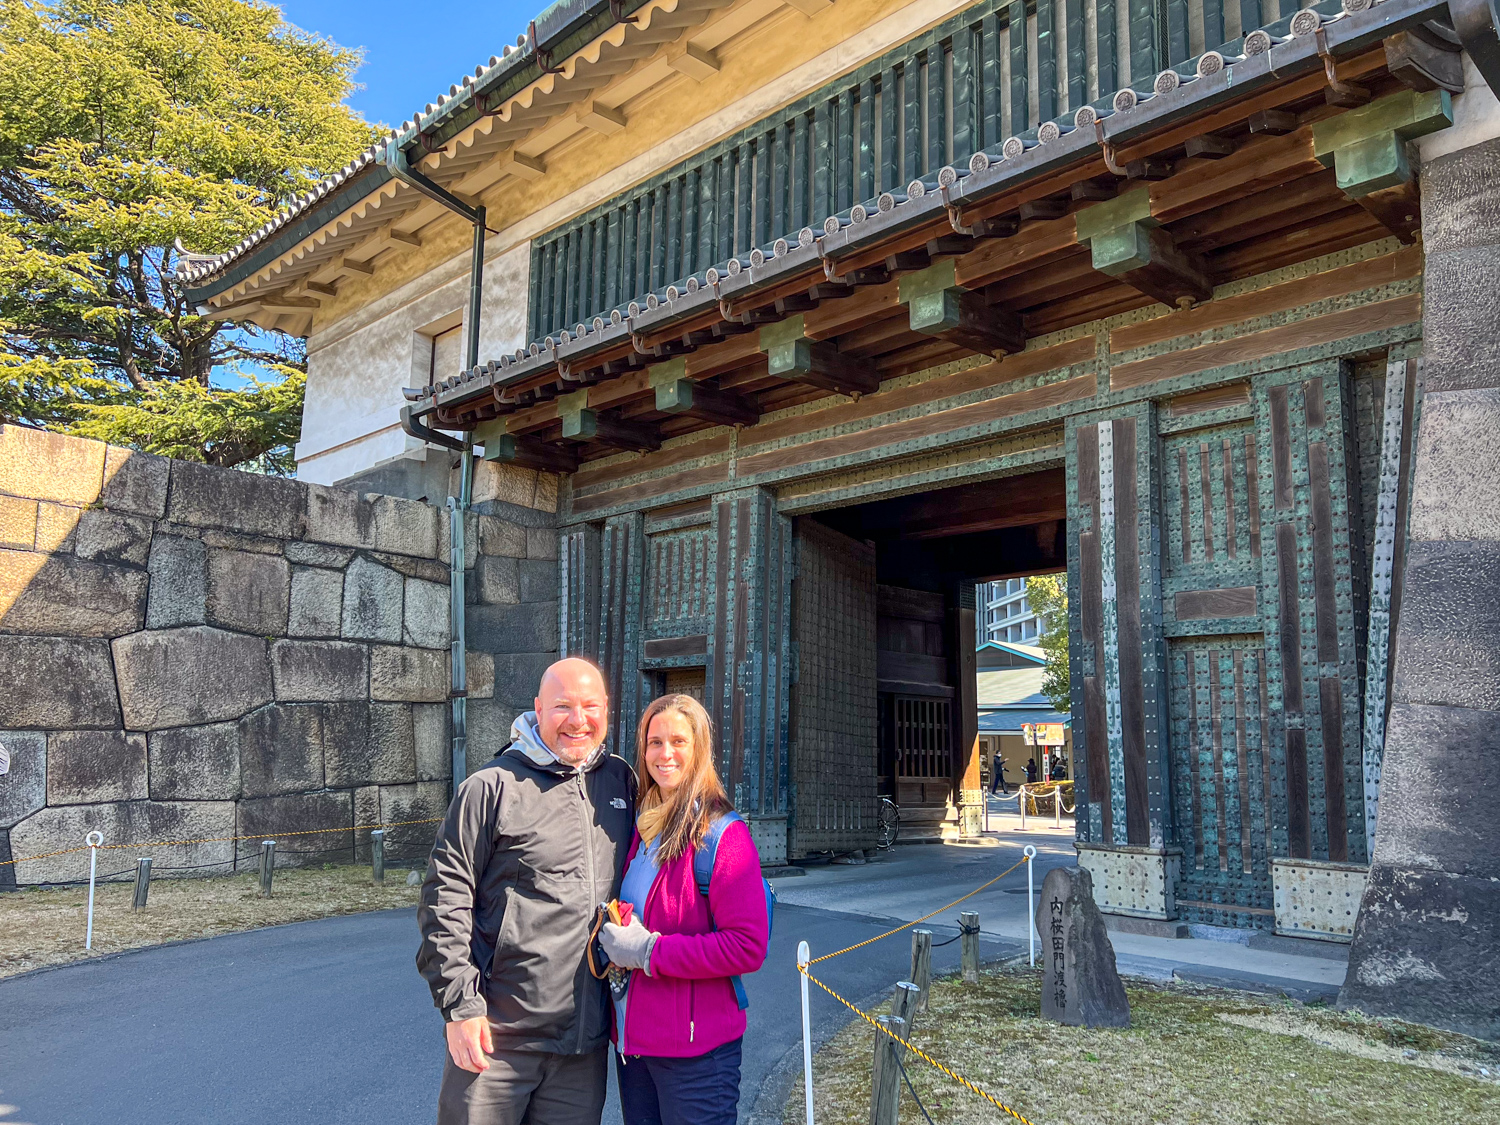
(1135, 882)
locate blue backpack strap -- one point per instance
(703, 870)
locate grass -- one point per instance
(1192, 1055)
(46, 926)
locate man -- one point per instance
(532, 843)
(997, 775)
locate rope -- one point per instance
(963, 931)
(923, 1055)
(226, 839)
(915, 921)
(910, 1088)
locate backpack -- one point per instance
(703, 869)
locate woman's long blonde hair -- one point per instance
(681, 817)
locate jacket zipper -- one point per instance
(588, 858)
(692, 1007)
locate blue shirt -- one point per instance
(639, 878)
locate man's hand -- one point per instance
(469, 1042)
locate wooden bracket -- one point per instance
(790, 355)
(1127, 242)
(937, 306)
(528, 453)
(698, 400)
(595, 426)
(1366, 147)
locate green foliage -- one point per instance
(1047, 594)
(128, 129)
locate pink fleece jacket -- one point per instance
(686, 1007)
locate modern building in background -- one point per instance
(1007, 614)
(1009, 693)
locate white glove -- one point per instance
(630, 946)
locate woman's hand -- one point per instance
(629, 947)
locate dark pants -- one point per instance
(526, 1088)
(703, 1090)
(997, 777)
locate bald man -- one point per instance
(532, 843)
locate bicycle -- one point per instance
(890, 823)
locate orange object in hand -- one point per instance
(620, 912)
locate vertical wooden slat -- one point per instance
(1249, 16)
(1077, 67)
(1195, 759)
(1091, 627)
(890, 130)
(595, 271)
(1252, 494)
(822, 181)
(866, 188)
(630, 252)
(744, 230)
(963, 128)
(937, 117)
(1213, 23)
(1143, 46)
(689, 224)
(1335, 808)
(1046, 59)
(658, 229)
(800, 170)
(781, 168)
(673, 265)
(1128, 548)
(1177, 33)
(911, 119)
(564, 270)
(1216, 728)
(1184, 506)
(1105, 47)
(1020, 95)
(843, 166)
(724, 212)
(1231, 531)
(990, 46)
(763, 233)
(708, 238)
(1205, 479)
(1242, 775)
(612, 262)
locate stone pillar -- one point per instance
(1428, 930)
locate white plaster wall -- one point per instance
(357, 367)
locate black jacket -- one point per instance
(525, 855)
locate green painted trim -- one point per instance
(580, 424)
(936, 277)
(936, 312)
(674, 397)
(1132, 207)
(780, 334)
(1122, 249)
(1408, 114)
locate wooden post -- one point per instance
(142, 882)
(921, 967)
(885, 1085)
(377, 855)
(267, 865)
(904, 1001)
(969, 945)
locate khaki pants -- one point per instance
(525, 1088)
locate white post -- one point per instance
(93, 840)
(804, 955)
(1030, 852)
(1056, 805)
(1021, 803)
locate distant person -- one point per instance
(1031, 771)
(997, 774)
(531, 845)
(1059, 769)
(679, 1025)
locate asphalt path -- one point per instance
(327, 1023)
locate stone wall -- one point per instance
(1428, 931)
(190, 652)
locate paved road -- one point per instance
(327, 1023)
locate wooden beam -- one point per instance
(938, 306)
(1210, 146)
(531, 453)
(809, 7)
(699, 400)
(581, 424)
(791, 355)
(521, 166)
(697, 63)
(1127, 242)
(600, 118)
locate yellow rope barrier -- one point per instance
(916, 921)
(224, 839)
(921, 1054)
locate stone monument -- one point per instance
(1080, 985)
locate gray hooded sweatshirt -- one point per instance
(529, 849)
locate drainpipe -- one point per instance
(395, 159)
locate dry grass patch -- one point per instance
(46, 926)
(1193, 1055)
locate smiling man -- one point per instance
(532, 843)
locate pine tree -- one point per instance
(128, 129)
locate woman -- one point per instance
(678, 1027)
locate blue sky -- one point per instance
(413, 52)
